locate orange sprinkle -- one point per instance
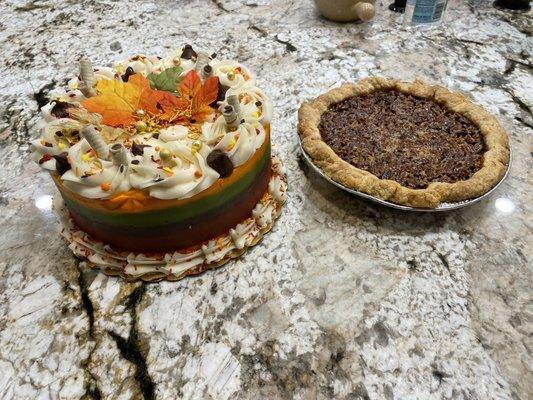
(198, 174)
(106, 186)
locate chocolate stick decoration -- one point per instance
(88, 79)
(91, 134)
(202, 60)
(231, 117)
(207, 71)
(233, 101)
(118, 154)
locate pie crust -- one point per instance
(495, 158)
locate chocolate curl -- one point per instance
(202, 60)
(118, 154)
(85, 117)
(233, 101)
(231, 117)
(91, 134)
(88, 80)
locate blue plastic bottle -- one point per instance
(424, 11)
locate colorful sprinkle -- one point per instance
(45, 158)
(196, 146)
(141, 126)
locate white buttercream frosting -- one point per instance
(184, 170)
(92, 177)
(176, 132)
(189, 176)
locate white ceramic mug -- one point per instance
(347, 10)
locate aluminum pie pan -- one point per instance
(439, 208)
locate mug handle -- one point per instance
(364, 11)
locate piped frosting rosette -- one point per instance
(183, 175)
(168, 114)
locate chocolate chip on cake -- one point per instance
(138, 149)
(60, 109)
(220, 162)
(62, 164)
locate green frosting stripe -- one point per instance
(174, 214)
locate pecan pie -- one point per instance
(409, 143)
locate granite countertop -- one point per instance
(343, 299)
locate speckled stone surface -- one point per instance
(343, 299)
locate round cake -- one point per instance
(156, 156)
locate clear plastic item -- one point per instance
(424, 12)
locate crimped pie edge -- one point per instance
(495, 159)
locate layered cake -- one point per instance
(164, 165)
(406, 142)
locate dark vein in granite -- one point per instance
(41, 96)
(86, 300)
(92, 391)
(523, 106)
(514, 61)
(529, 124)
(439, 376)
(261, 31)
(444, 261)
(31, 6)
(220, 6)
(517, 24)
(289, 47)
(413, 265)
(13, 125)
(469, 41)
(131, 348)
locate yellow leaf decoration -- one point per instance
(117, 101)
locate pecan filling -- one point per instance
(410, 140)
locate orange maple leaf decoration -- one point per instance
(199, 96)
(118, 101)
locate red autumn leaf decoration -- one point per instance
(197, 95)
